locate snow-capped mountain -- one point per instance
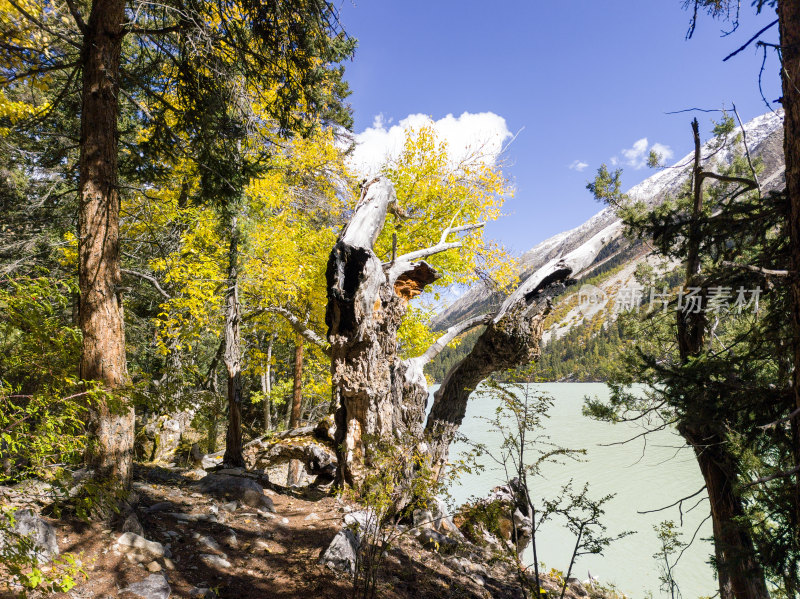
(764, 138)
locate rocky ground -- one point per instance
(190, 534)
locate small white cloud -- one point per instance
(482, 132)
(578, 165)
(636, 156)
(664, 152)
(614, 161)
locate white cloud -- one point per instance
(483, 132)
(664, 152)
(636, 156)
(578, 165)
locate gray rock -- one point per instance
(210, 461)
(181, 517)
(215, 561)
(447, 527)
(231, 471)
(230, 506)
(153, 566)
(41, 533)
(139, 549)
(362, 522)
(230, 540)
(423, 519)
(154, 586)
(576, 586)
(133, 525)
(434, 541)
(162, 436)
(210, 544)
(341, 553)
(202, 593)
(160, 507)
(477, 579)
(240, 488)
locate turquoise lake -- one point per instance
(644, 475)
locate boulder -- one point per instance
(423, 519)
(510, 523)
(41, 533)
(132, 524)
(342, 553)
(215, 561)
(435, 541)
(318, 458)
(160, 436)
(577, 588)
(137, 548)
(362, 522)
(242, 489)
(154, 586)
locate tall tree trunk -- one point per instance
(111, 423)
(739, 574)
(214, 420)
(293, 474)
(233, 439)
(266, 386)
(789, 26)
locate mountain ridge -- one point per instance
(764, 139)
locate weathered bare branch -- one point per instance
(451, 333)
(370, 214)
(680, 501)
(747, 149)
(150, 278)
(297, 325)
(775, 423)
(726, 179)
(750, 41)
(766, 479)
(569, 265)
(758, 269)
(76, 14)
(408, 261)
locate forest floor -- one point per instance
(262, 555)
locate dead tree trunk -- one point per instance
(379, 395)
(111, 424)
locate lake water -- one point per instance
(643, 475)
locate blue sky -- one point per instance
(580, 80)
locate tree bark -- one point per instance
(266, 386)
(789, 27)
(293, 474)
(363, 314)
(511, 341)
(232, 356)
(111, 420)
(382, 397)
(739, 574)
